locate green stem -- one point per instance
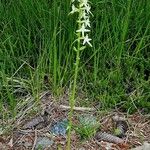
(72, 98)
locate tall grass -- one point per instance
(36, 47)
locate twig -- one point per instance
(35, 140)
(77, 108)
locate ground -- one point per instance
(35, 125)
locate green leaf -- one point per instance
(82, 48)
(74, 48)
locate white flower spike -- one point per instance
(82, 7)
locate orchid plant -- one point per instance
(82, 7)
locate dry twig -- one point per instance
(77, 108)
(35, 140)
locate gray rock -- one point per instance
(145, 146)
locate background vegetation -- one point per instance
(36, 52)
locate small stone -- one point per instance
(145, 146)
(88, 120)
(43, 142)
(60, 128)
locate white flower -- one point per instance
(84, 3)
(87, 22)
(83, 30)
(88, 8)
(72, 1)
(84, 15)
(87, 40)
(74, 9)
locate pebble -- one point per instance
(43, 142)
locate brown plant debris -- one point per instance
(33, 123)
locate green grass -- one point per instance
(87, 127)
(36, 52)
